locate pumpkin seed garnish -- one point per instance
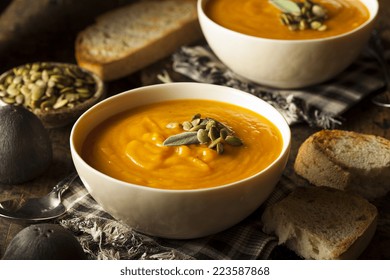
(206, 131)
(233, 140)
(202, 136)
(187, 125)
(45, 86)
(301, 15)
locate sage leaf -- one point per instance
(287, 6)
(185, 138)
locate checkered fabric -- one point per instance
(321, 105)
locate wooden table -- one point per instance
(365, 117)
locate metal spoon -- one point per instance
(383, 98)
(38, 209)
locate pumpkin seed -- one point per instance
(42, 85)
(25, 90)
(223, 133)
(203, 136)
(49, 92)
(213, 133)
(71, 97)
(17, 80)
(12, 91)
(66, 89)
(37, 92)
(48, 104)
(318, 11)
(19, 99)
(60, 103)
(196, 116)
(315, 25)
(301, 15)
(302, 25)
(233, 140)
(8, 100)
(82, 90)
(214, 143)
(195, 121)
(285, 19)
(187, 125)
(35, 66)
(85, 95)
(211, 123)
(45, 76)
(219, 148)
(322, 28)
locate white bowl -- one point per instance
(286, 63)
(178, 213)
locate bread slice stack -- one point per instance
(333, 218)
(322, 223)
(127, 39)
(346, 160)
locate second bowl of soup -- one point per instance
(257, 42)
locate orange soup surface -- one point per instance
(129, 146)
(260, 18)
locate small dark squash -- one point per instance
(44, 242)
(25, 146)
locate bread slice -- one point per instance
(322, 223)
(346, 160)
(129, 38)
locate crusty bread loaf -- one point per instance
(322, 223)
(127, 39)
(346, 160)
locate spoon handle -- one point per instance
(64, 184)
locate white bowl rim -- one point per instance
(373, 16)
(285, 147)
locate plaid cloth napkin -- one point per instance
(321, 105)
(102, 237)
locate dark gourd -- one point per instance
(44, 242)
(25, 146)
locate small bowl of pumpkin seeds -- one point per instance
(58, 93)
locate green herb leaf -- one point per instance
(287, 6)
(185, 138)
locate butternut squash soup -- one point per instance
(131, 146)
(261, 18)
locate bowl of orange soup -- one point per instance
(180, 160)
(273, 47)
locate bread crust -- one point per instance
(322, 223)
(346, 160)
(185, 30)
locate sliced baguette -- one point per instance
(127, 39)
(322, 223)
(346, 160)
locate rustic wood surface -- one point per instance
(365, 117)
